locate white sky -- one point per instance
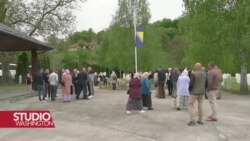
(97, 14)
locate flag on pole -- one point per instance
(139, 36)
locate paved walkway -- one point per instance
(103, 118)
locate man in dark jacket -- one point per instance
(169, 82)
(82, 78)
(47, 85)
(174, 78)
(161, 82)
(40, 85)
(74, 80)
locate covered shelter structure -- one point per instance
(14, 40)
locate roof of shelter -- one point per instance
(14, 40)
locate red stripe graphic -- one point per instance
(26, 119)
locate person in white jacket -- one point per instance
(182, 90)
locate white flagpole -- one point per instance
(135, 20)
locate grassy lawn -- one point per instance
(235, 87)
(12, 86)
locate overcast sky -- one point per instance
(97, 14)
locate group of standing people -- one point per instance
(188, 87)
(201, 83)
(185, 86)
(139, 93)
(84, 83)
(76, 82)
(47, 84)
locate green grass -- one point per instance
(235, 87)
(12, 86)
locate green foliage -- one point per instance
(116, 48)
(70, 61)
(3, 10)
(151, 56)
(22, 65)
(61, 57)
(215, 30)
(57, 44)
(82, 37)
(56, 59)
(209, 30)
(81, 58)
(44, 61)
(171, 40)
(126, 11)
(218, 30)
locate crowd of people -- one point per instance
(184, 86)
(75, 82)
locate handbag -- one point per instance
(128, 91)
(191, 84)
(71, 89)
(62, 83)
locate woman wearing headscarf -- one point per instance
(67, 79)
(145, 90)
(135, 97)
(182, 90)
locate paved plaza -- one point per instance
(103, 118)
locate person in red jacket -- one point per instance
(135, 97)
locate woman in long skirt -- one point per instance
(145, 90)
(67, 79)
(135, 98)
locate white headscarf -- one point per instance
(185, 72)
(136, 75)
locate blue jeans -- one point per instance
(47, 90)
(53, 91)
(82, 87)
(113, 86)
(40, 89)
(174, 90)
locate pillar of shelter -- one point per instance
(34, 61)
(34, 66)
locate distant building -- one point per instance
(86, 45)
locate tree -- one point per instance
(2, 10)
(218, 30)
(57, 43)
(22, 66)
(124, 16)
(4, 56)
(117, 47)
(241, 29)
(42, 17)
(44, 61)
(36, 18)
(83, 38)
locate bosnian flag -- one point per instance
(139, 36)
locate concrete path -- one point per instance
(103, 118)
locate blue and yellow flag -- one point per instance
(139, 36)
